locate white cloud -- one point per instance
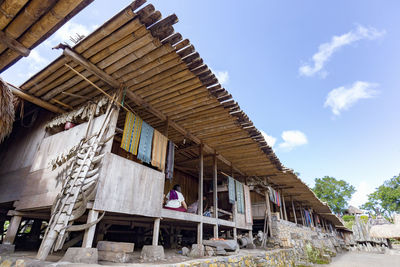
(361, 195)
(33, 63)
(326, 50)
(222, 76)
(270, 139)
(292, 139)
(342, 98)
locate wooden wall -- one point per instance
(129, 187)
(188, 183)
(17, 153)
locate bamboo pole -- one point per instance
(20, 93)
(215, 193)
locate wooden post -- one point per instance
(302, 216)
(200, 193)
(12, 230)
(280, 208)
(294, 210)
(234, 212)
(156, 231)
(312, 219)
(89, 233)
(215, 193)
(284, 205)
(268, 210)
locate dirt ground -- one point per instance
(362, 259)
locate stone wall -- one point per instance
(310, 245)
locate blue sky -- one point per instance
(319, 78)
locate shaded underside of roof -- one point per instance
(30, 22)
(142, 52)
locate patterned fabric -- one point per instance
(239, 196)
(231, 190)
(131, 134)
(146, 138)
(159, 150)
(169, 172)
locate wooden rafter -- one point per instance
(76, 57)
(14, 44)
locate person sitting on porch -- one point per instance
(175, 199)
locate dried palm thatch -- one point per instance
(6, 110)
(79, 186)
(387, 230)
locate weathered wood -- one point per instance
(89, 233)
(268, 212)
(122, 183)
(156, 231)
(294, 210)
(14, 44)
(284, 206)
(12, 230)
(115, 246)
(215, 193)
(200, 196)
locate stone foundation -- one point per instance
(309, 245)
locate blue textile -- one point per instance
(239, 196)
(231, 190)
(146, 139)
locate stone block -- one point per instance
(231, 245)
(7, 248)
(209, 251)
(81, 255)
(115, 246)
(152, 253)
(185, 251)
(120, 257)
(220, 251)
(197, 251)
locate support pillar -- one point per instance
(302, 216)
(234, 212)
(200, 195)
(12, 230)
(89, 233)
(268, 212)
(156, 231)
(312, 218)
(215, 193)
(294, 210)
(284, 206)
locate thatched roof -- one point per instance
(354, 210)
(6, 110)
(387, 230)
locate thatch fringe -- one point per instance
(7, 112)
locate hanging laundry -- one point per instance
(231, 190)
(239, 196)
(159, 150)
(131, 134)
(146, 138)
(169, 172)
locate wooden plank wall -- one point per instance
(41, 185)
(17, 154)
(188, 183)
(129, 187)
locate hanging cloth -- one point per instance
(231, 190)
(278, 198)
(131, 134)
(239, 196)
(159, 150)
(169, 172)
(146, 138)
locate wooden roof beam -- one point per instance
(28, 97)
(69, 52)
(14, 44)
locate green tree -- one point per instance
(335, 192)
(386, 198)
